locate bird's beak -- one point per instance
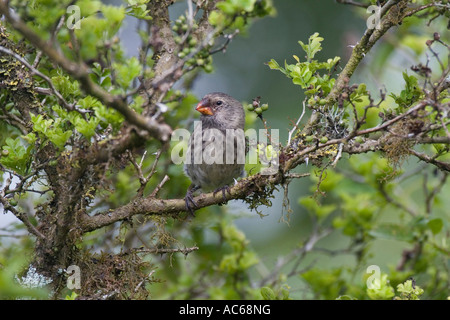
(204, 108)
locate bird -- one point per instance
(214, 165)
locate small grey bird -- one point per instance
(217, 149)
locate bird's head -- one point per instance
(222, 111)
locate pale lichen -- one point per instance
(33, 279)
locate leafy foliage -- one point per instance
(306, 74)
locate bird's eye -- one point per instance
(219, 103)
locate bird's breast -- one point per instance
(216, 159)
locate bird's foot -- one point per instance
(223, 189)
(189, 199)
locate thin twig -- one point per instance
(22, 217)
(159, 186)
(185, 251)
(228, 38)
(339, 155)
(389, 199)
(353, 3)
(424, 157)
(386, 124)
(291, 132)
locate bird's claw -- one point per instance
(223, 189)
(189, 199)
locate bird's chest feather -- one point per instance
(214, 159)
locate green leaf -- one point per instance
(410, 94)
(275, 66)
(268, 294)
(30, 138)
(127, 72)
(234, 236)
(101, 76)
(246, 5)
(114, 17)
(408, 291)
(313, 46)
(40, 124)
(321, 211)
(51, 129)
(327, 283)
(86, 128)
(217, 18)
(59, 137)
(138, 9)
(108, 116)
(16, 155)
(89, 7)
(72, 296)
(435, 225)
(381, 290)
(285, 292)
(362, 89)
(247, 259)
(228, 263)
(65, 86)
(331, 63)
(226, 7)
(89, 102)
(232, 7)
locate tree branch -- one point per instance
(150, 205)
(370, 37)
(353, 3)
(184, 251)
(424, 157)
